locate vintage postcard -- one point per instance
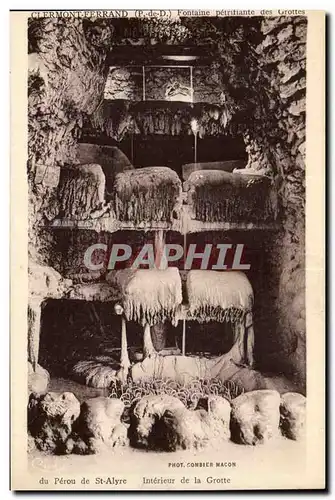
(167, 244)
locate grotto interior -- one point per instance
(180, 132)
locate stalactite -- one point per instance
(206, 313)
(124, 359)
(149, 119)
(218, 296)
(150, 296)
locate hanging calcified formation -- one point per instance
(218, 196)
(152, 296)
(218, 296)
(81, 191)
(146, 118)
(147, 195)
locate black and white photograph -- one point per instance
(166, 321)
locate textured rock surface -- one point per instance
(293, 415)
(30, 443)
(99, 426)
(50, 419)
(255, 417)
(127, 83)
(66, 80)
(81, 191)
(182, 369)
(219, 296)
(150, 296)
(276, 141)
(218, 196)
(253, 380)
(149, 194)
(181, 428)
(111, 159)
(119, 120)
(124, 83)
(38, 379)
(95, 374)
(145, 415)
(46, 282)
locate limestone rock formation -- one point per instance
(144, 417)
(281, 144)
(98, 427)
(119, 119)
(253, 380)
(46, 282)
(226, 166)
(182, 428)
(65, 83)
(81, 191)
(50, 419)
(182, 369)
(150, 296)
(218, 296)
(72, 72)
(147, 195)
(218, 196)
(95, 373)
(38, 379)
(255, 417)
(293, 415)
(111, 159)
(30, 443)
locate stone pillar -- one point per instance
(159, 331)
(34, 326)
(148, 348)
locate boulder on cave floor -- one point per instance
(293, 415)
(255, 417)
(144, 416)
(50, 419)
(181, 428)
(254, 380)
(98, 427)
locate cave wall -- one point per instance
(279, 143)
(65, 83)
